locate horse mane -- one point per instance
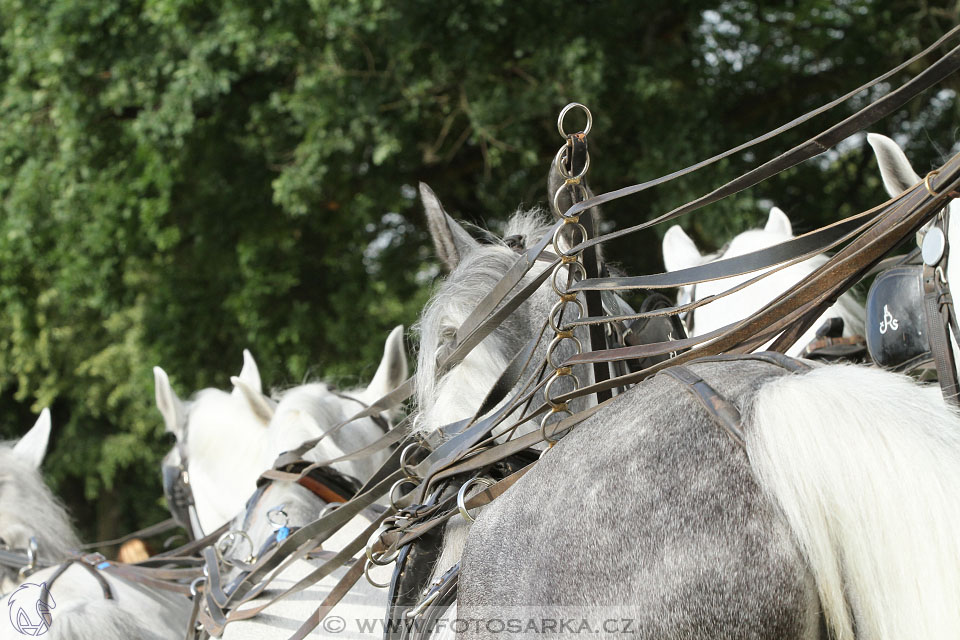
(29, 508)
(457, 296)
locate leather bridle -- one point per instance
(938, 303)
(179, 492)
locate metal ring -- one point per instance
(553, 345)
(558, 308)
(327, 508)
(407, 471)
(275, 511)
(462, 495)
(31, 566)
(543, 425)
(386, 557)
(396, 485)
(580, 270)
(557, 237)
(926, 182)
(563, 113)
(193, 586)
(556, 202)
(231, 535)
(366, 573)
(553, 378)
(559, 163)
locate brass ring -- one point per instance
(926, 182)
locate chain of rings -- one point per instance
(570, 269)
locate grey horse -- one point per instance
(837, 517)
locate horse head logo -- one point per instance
(30, 609)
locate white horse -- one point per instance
(361, 609)
(77, 609)
(230, 438)
(898, 176)
(842, 505)
(27, 506)
(680, 252)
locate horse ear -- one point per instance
(679, 251)
(779, 223)
(450, 239)
(170, 406)
(897, 173)
(33, 446)
(250, 373)
(259, 404)
(393, 367)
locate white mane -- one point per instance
(464, 387)
(28, 508)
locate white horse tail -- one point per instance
(865, 465)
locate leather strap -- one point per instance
(723, 412)
(937, 317)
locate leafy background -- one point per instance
(180, 179)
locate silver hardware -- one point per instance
(194, 586)
(462, 495)
(567, 109)
(396, 485)
(277, 516)
(366, 573)
(385, 557)
(31, 566)
(407, 470)
(226, 542)
(327, 508)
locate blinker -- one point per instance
(896, 326)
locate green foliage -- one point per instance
(181, 179)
